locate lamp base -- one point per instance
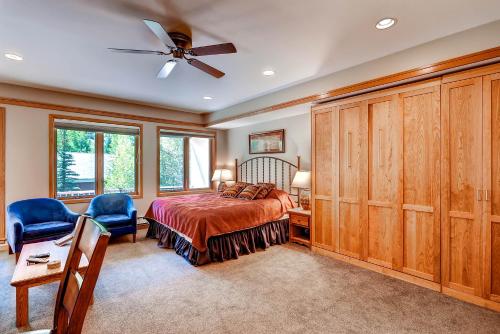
(305, 201)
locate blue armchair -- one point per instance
(38, 219)
(116, 212)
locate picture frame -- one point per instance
(268, 142)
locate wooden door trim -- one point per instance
(2, 175)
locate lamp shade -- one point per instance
(222, 175)
(302, 180)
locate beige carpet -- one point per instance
(285, 289)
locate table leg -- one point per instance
(22, 306)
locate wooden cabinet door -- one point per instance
(491, 185)
(421, 182)
(323, 222)
(351, 172)
(461, 177)
(384, 160)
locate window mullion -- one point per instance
(99, 163)
(186, 163)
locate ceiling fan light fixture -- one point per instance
(385, 23)
(268, 73)
(13, 56)
(166, 69)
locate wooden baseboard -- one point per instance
(4, 247)
(489, 304)
(382, 270)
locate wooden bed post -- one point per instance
(236, 170)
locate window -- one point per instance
(185, 160)
(92, 157)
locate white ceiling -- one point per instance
(64, 43)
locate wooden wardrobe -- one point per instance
(406, 181)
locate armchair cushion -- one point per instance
(114, 220)
(47, 229)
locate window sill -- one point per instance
(88, 199)
(185, 192)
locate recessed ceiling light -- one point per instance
(13, 56)
(385, 23)
(207, 98)
(268, 73)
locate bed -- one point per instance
(206, 228)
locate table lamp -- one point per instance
(221, 176)
(302, 180)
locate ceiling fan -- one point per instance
(179, 45)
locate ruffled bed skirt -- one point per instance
(223, 247)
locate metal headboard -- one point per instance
(269, 169)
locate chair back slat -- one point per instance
(75, 292)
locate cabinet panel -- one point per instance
(420, 244)
(323, 226)
(323, 153)
(421, 182)
(494, 272)
(384, 244)
(323, 219)
(349, 198)
(491, 180)
(462, 183)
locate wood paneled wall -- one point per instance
(408, 179)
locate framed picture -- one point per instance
(267, 142)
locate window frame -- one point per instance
(187, 133)
(99, 158)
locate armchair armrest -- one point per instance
(132, 211)
(90, 212)
(15, 230)
(72, 216)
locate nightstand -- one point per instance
(300, 224)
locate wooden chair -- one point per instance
(75, 292)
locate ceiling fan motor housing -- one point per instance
(182, 41)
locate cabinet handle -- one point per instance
(478, 193)
(486, 195)
(349, 149)
(380, 155)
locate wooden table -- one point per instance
(26, 276)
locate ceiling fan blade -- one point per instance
(213, 49)
(166, 69)
(147, 52)
(158, 30)
(206, 68)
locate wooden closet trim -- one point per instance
(468, 74)
(381, 94)
(412, 74)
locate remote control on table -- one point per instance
(37, 260)
(41, 255)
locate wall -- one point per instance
(297, 140)
(462, 43)
(27, 141)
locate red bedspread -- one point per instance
(202, 216)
